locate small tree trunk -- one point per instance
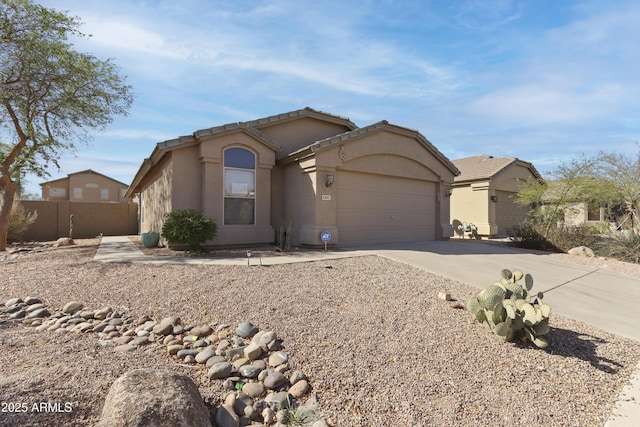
(5, 210)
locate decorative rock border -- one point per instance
(252, 364)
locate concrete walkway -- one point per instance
(122, 249)
(602, 298)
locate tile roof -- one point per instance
(486, 167)
(318, 145)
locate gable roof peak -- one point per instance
(485, 166)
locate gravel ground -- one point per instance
(378, 346)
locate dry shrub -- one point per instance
(19, 221)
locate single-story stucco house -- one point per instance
(484, 193)
(314, 170)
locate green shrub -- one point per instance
(509, 310)
(19, 221)
(625, 247)
(189, 227)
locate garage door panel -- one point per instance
(377, 209)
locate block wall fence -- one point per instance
(89, 219)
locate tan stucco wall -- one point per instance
(186, 179)
(508, 212)
(576, 214)
(210, 153)
(296, 202)
(90, 219)
(471, 202)
(155, 199)
(295, 134)
(62, 184)
(389, 153)
(91, 186)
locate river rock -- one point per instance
(32, 300)
(20, 314)
(253, 389)
(102, 313)
(12, 301)
(252, 351)
(226, 416)
(38, 314)
(205, 354)
(297, 376)
(242, 402)
(278, 401)
(219, 370)
(246, 329)
(278, 358)
(153, 397)
(215, 359)
(249, 371)
(299, 389)
(34, 307)
(201, 331)
(274, 380)
(165, 327)
(187, 352)
(72, 307)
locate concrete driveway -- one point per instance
(602, 298)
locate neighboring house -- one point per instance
(583, 213)
(85, 186)
(313, 170)
(574, 210)
(484, 193)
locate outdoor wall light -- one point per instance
(494, 199)
(328, 182)
(447, 193)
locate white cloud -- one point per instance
(546, 102)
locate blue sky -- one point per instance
(542, 80)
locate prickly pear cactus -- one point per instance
(508, 309)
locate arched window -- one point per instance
(239, 186)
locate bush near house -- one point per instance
(560, 239)
(189, 227)
(625, 247)
(19, 221)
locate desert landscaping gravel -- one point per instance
(378, 346)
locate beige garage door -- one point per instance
(381, 209)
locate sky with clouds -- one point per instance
(542, 80)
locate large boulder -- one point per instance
(151, 397)
(63, 241)
(582, 251)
